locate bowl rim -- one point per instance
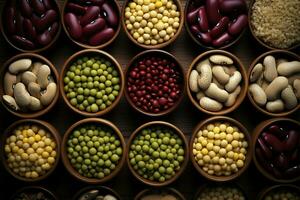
(54, 73)
(161, 53)
(99, 187)
(105, 55)
(252, 65)
(264, 192)
(67, 163)
(169, 190)
(244, 83)
(183, 165)
(248, 156)
(24, 189)
(157, 46)
(42, 124)
(255, 134)
(87, 46)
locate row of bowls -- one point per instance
(116, 8)
(62, 148)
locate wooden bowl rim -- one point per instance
(67, 163)
(42, 124)
(162, 53)
(24, 189)
(257, 60)
(183, 165)
(244, 83)
(105, 55)
(263, 193)
(168, 190)
(248, 156)
(104, 188)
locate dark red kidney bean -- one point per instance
(238, 25)
(29, 29)
(53, 29)
(192, 16)
(222, 40)
(230, 6)
(38, 6)
(220, 28)
(282, 161)
(265, 149)
(41, 23)
(204, 37)
(44, 38)
(260, 157)
(202, 19)
(274, 142)
(19, 24)
(293, 172)
(93, 27)
(47, 4)
(102, 37)
(10, 16)
(26, 9)
(212, 10)
(110, 14)
(278, 131)
(276, 172)
(294, 156)
(292, 140)
(91, 14)
(195, 29)
(75, 8)
(73, 26)
(23, 42)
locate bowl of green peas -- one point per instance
(92, 82)
(157, 153)
(93, 150)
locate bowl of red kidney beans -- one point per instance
(154, 82)
(216, 24)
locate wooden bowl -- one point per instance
(67, 163)
(187, 28)
(241, 128)
(34, 189)
(279, 54)
(152, 191)
(256, 133)
(104, 189)
(257, 38)
(185, 146)
(244, 83)
(6, 36)
(47, 127)
(54, 74)
(91, 52)
(115, 4)
(157, 46)
(277, 188)
(159, 53)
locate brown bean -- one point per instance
(229, 6)
(220, 28)
(73, 26)
(102, 37)
(29, 29)
(38, 6)
(212, 10)
(274, 142)
(47, 4)
(25, 8)
(202, 19)
(292, 140)
(44, 38)
(110, 14)
(222, 40)
(23, 42)
(192, 17)
(265, 149)
(10, 16)
(238, 25)
(278, 131)
(41, 23)
(53, 29)
(91, 14)
(93, 27)
(75, 8)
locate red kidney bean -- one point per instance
(194, 29)
(25, 8)
(220, 27)
(102, 37)
(29, 29)
(274, 142)
(265, 149)
(19, 24)
(292, 140)
(204, 37)
(10, 16)
(282, 161)
(294, 156)
(47, 4)
(43, 22)
(44, 38)
(262, 160)
(278, 131)
(91, 14)
(192, 16)
(222, 40)
(38, 6)
(73, 26)
(212, 10)
(202, 19)
(110, 14)
(293, 172)
(230, 6)
(238, 25)
(93, 27)
(23, 42)
(75, 8)
(276, 172)
(53, 29)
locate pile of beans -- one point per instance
(154, 83)
(216, 82)
(221, 193)
(92, 22)
(92, 84)
(152, 22)
(156, 153)
(217, 23)
(275, 84)
(278, 150)
(94, 150)
(28, 85)
(33, 194)
(220, 149)
(30, 151)
(96, 195)
(283, 194)
(31, 24)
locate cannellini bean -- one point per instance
(234, 81)
(288, 68)
(275, 87)
(193, 81)
(232, 97)
(270, 72)
(289, 98)
(220, 74)
(210, 104)
(213, 91)
(256, 72)
(221, 60)
(275, 106)
(258, 94)
(205, 76)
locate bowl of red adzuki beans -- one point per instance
(216, 24)
(154, 82)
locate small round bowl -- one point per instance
(11, 43)
(244, 83)
(159, 53)
(249, 150)
(46, 126)
(153, 191)
(105, 190)
(185, 146)
(259, 59)
(54, 74)
(66, 160)
(277, 188)
(256, 133)
(91, 52)
(87, 46)
(37, 189)
(157, 46)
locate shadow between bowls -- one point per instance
(241, 128)
(176, 131)
(42, 124)
(54, 73)
(274, 188)
(244, 83)
(64, 154)
(103, 189)
(159, 53)
(33, 188)
(170, 191)
(91, 52)
(256, 133)
(277, 54)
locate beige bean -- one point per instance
(28, 77)
(9, 81)
(193, 81)
(214, 92)
(48, 95)
(35, 90)
(11, 102)
(258, 94)
(296, 86)
(229, 69)
(275, 106)
(36, 67)
(256, 72)
(260, 79)
(21, 95)
(206, 61)
(214, 80)
(205, 76)
(220, 74)
(264, 84)
(280, 60)
(210, 104)
(19, 66)
(220, 60)
(289, 98)
(270, 72)
(199, 95)
(276, 86)
(234, 81)
(289, 68)
(43, 75)
(35, 104)
(293, 78)
(232, 97)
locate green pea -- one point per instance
(66, 80)
(115, 73)
(86, 92)
(105, 97)
(100, 71)
(73, 101)
(115, 158)
(86, 71)
(105, 73)
(102, 79)
(89, 63)
(96, 84)
(79, 61)
(77, 79)
(99, 102)
(94, 108)
(95, 66)
(93, 151)
(78, 71)
(103, 66)
(108, 90)
(108, 83)
(83, 78)
(93, 92)
(90, 85)
(88, 109)
(71, 84)
(91, 100)
(80, 90)
(93, 72)
(85, 103)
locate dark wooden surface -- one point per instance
(185, 117)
